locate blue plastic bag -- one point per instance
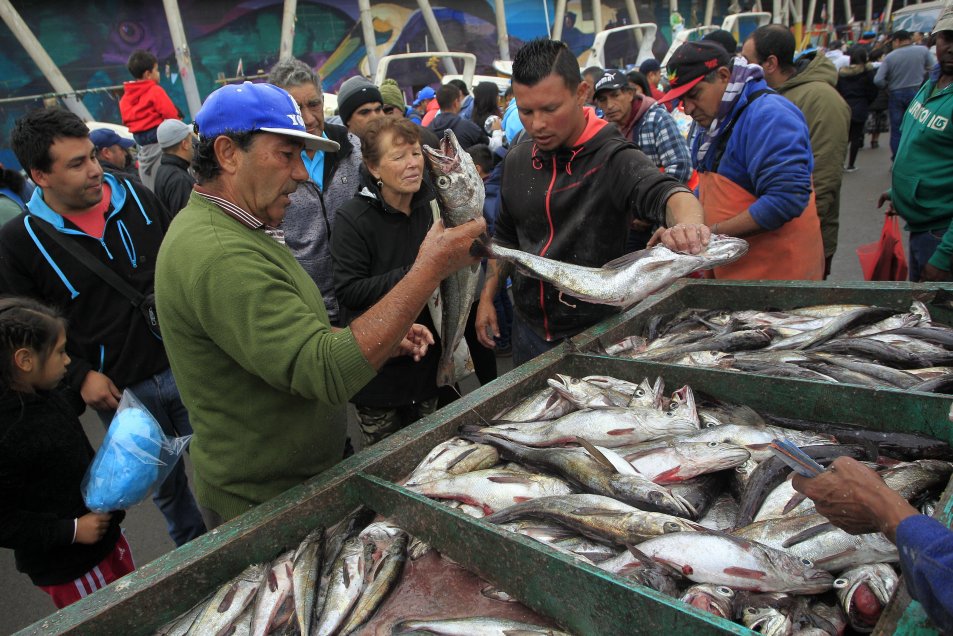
(133, 461)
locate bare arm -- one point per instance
(380, 330)
(740, 225)
(687, 231)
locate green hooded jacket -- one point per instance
(814, 92)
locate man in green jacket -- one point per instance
(922, 182)
(814, 92)
(259, 367)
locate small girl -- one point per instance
(66, 550)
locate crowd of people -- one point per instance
(293, 259)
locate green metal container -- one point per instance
(580, 598)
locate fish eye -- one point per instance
(712, 444)
(725, 591)
(807, 562)
(751, 610)
(669, 414)
(443, 182)
(640, 392)
(840, 584)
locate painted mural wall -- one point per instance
(91, 41)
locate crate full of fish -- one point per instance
(679, 492)
(868, 335)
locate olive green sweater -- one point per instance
(254, 357)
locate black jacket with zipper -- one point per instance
(106, 332)
(173, 182)
(373, 247)
(44, 454)
(575, 205)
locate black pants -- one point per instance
(856, 136)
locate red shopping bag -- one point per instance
(885, 260)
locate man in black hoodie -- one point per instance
(570, 194)
(468, 133)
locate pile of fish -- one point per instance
(852, 344)
(332, 583)
(684, 495)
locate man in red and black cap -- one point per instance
(753, 155)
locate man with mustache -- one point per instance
(262, 371)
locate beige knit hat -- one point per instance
(392, 94)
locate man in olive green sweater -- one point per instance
(259, 367)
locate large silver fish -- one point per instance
(493, 489)
(864, 593)
(230, 601)
(460, 194)
(306, 573)
(475, 626)
(720, 559)
(626, 280)
(275, 589)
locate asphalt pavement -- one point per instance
(860, 222)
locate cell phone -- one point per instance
(799, 461)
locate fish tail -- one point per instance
(480, 248)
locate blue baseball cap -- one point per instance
(248, 107)
(423, 94)
(106, 137)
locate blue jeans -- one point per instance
(920, 249)
(526, 343)
(898, 103)
(160, 395)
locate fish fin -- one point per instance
(507, 479)
(669, 476)
(598, 512)
(620, 431)
(625, 260)
(804, 535)
(746, 573)
(461, 457)
(227, 600)
(793, 503)
(595, 453)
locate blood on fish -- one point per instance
(745, 573)
(620, 431)
(669, 476)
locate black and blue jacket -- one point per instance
(106, 332)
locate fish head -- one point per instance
(683, 405)
(722, 250)
(723, 455)
(766, 620)
(865, 591)
(456, 182)
(714, 599)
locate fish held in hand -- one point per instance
(460, 194)
(626, 280)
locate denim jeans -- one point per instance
(898, 103)
(920, 249)
(526, 344)
(160, 395)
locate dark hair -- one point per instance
(293, 72)
(459, 83)
(902, 35)
(34, 134)
(447, 95)
(776, 40)
(639, 79)
(25, 322)
(141, 62)
(877, 53)
(508, 93)
(481, 155)
(205, 164)
(12, 179)
(538, 59)
(401, 130)
(593, 73)
(724, 38)
(858, 54)
(486, 102)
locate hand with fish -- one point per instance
(855, 498)
(687, 231)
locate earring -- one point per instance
(380, 184)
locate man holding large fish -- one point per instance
(570, 195)
(259, 366)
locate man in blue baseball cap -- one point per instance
(260, 368)
(113, 152)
